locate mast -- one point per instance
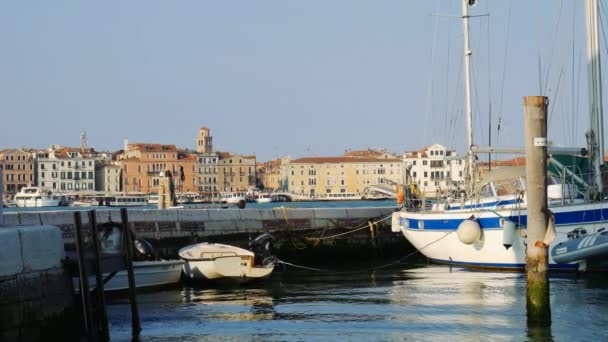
(596, 134)
(467, 87)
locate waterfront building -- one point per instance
(235, 172)
(18, 169)
(346, 176)
(207, 164)
(142, 164)
(108, 178)
(66, 170)
(204, 141)
(432, 172)
(272, 175)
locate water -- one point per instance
(427, 303)
(311, 204)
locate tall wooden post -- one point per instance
(537, 282)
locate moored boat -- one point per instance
(154, 273)
(485, 225)
(232, 197)
(32, 197)
(213, 261)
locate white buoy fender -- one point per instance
(468, 231)
(508, 232)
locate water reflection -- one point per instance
(232, 303)
(422, 304)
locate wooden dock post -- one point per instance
(537, 282)
(135, 323)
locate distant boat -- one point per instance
(189, 198)
(127, 201)
(214, 261)
(31, 197)
(262, 197)
(232, 197)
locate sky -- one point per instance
(286, 78)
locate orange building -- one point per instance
(143, 163)
(18, 170)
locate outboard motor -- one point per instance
(143, 250)
(262, 247)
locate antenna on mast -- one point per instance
(83, 141)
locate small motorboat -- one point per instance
(214, 261)
(148, 271)
(581, 246)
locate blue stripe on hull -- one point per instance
(574, 217)
(485, 205)
(512, 267)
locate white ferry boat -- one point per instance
(128, 201)
(232, 197)
(30, 197)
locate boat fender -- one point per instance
(468, 231)
(508, 232)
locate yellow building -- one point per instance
(272, 175)
(341, 177)
(235, 172)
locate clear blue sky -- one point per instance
(280, 77)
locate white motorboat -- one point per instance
(127, 201)
(232, 197)
(214, 261)
(31, 196)
(147, 274)
(262, 198)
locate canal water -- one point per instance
(413, 303)
(308, 204)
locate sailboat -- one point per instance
(486, 228)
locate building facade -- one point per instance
(108, 178)
(143, 163)
(208, 171)
(433, 173)
(235, 172)
(66, 170)
(333, 177)
(207, 164)
(18, 170)
(272, 175)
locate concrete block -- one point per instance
(29, 218)
(224, 214)
(57, 218)
(193, 215)
(330, 213)
(10, 252)
(10, 219)
(136, 215)
(251, 214)
(41, 247)
(293, 213)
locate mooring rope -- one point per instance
(354, 230)
(300, 266)
(414, 252)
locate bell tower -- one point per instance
(204, 141)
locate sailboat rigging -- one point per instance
(490, 221)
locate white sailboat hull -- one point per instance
(434, 234)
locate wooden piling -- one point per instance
(99, 288)
(135, 323)
(537, 282)
(85, 295)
